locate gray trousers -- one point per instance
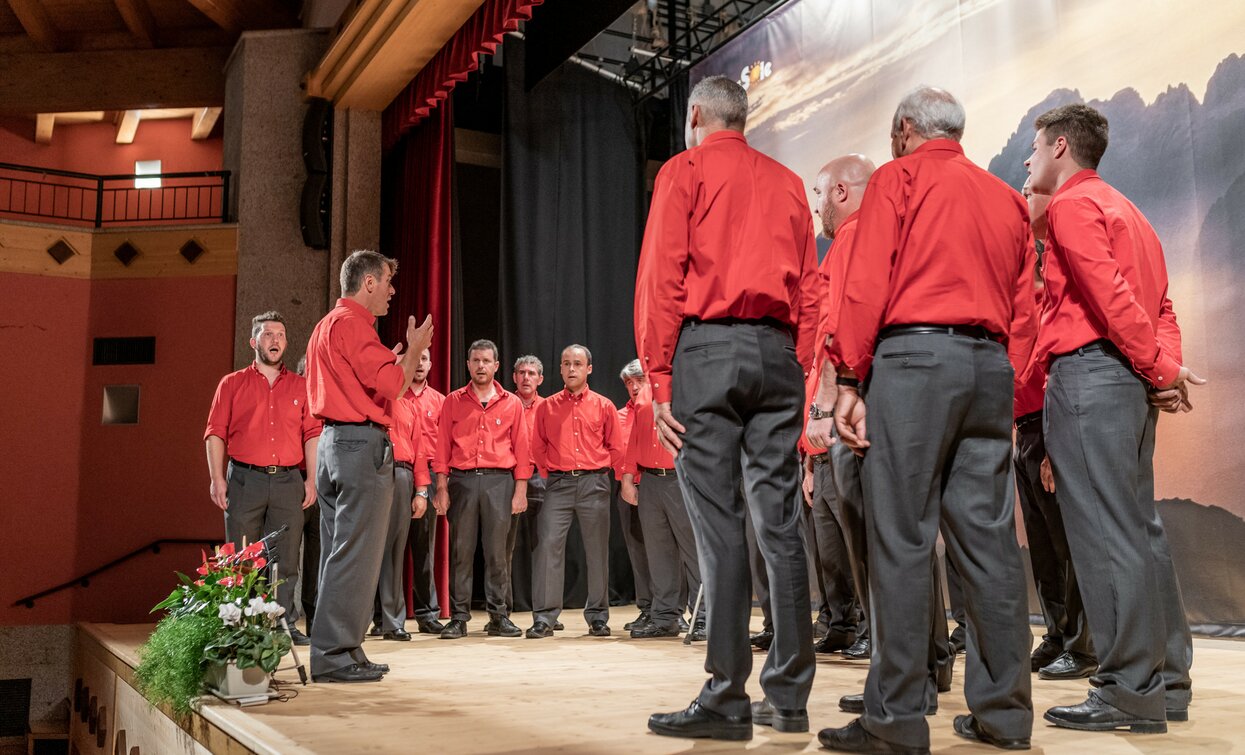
(260, 503)
(354, 478)
(739, 391)
(523, 535)
(480, 507)
(851, 497)
(1100, 437)
(586, 498)
(1053, 573)
(756, 569)
(309, 578)
(632, 525)
(390, 592)
(669, 546)
(423, 536)
(940, 410)
(834, 568)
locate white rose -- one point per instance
(230, 614)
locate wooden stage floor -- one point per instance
(579, 694)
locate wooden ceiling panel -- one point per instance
(176, 14)
(8, 22)
(83, 15)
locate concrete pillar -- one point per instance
(356, 189)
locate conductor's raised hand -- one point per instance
(418, 337)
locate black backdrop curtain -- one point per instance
(571, 224)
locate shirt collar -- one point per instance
(254, 367)
(940, 145)
(573, 397)
(847, 221)
(1080, 177)
(357, 308)
(468, 391)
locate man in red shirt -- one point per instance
(726, 304)
(259, 421)
(576, 442)
(941, 276)
(528, 375)
(352, 381)
(1109, 337)
(629, 521)
(1065, 651)
(410, 502)
(651, 487)
(424, 403)
(483, 463)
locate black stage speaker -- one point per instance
(314, 208)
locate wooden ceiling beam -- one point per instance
(127, 126)
(138, 19)
(234, 16)
(203, 121)
(112, 80)
(38, 25)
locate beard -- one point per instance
(262, 356)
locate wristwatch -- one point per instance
(422, 493)
(816, 412)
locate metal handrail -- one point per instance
(85, 579)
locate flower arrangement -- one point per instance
(224, 616)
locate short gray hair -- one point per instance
(529, 359)
(257, 322)
(364, 262)
(934, 113)
(632, 370)
(581, 348)
(483, 344)
(720, 99)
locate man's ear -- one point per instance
(1061, 146)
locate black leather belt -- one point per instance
(971, 331)
(480, 471)
(1101, 346)
(1025, 420)
(270, 469)
(821, 458)
(657, 471)
(364, 423)
(577, 472)
(766, 321)
(405, 465)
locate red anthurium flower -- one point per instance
(261, 562)
(199, 582)
(202, 570)
(225, 550)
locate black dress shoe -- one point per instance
(861, 650)
(683, 625)
(640, 620)
(456, 629)
(431, 626)
(502, 626)
(355, 672)
(652, 630)
(698, 722)
(856, 704)
(1096, 714)
(1045, 653)
(762, 640)
(765, 714)
(298, 638)
(967, 727)
(538, 630)
(957, 641)
(1178, 714)
(699, 633)
(834, 642)
(854, 738)
(1069, 666)
(375, 631)
(398, 635)
(599, 628)
(943, 675)
(558, 626)
(381, 667)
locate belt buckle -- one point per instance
(478, 472)
(577, 473)
(272, 469)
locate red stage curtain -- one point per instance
(458, 58)
(417, 230)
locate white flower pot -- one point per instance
(229, 681)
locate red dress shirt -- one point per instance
(351, 376)
(810, 392)
(473, 436)
(643, 447)
(729, 235)
(833, 271)
(407, 435)
(1106, 278)
(1031, 384)
(938, 241)
(576, 431)
(262, 424)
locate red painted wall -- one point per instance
(92, 147)
(80, 493)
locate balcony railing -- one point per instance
(48, 195)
